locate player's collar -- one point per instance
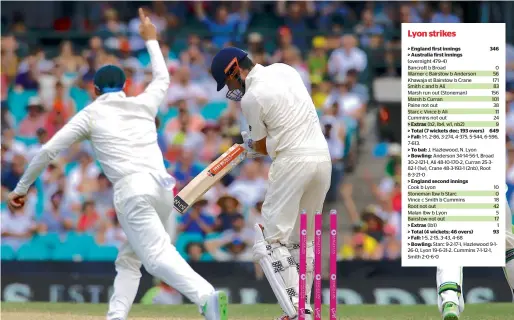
(111, 95)
(249, 78)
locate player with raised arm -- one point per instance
(449, 278)
(283, 123)
(123, 135)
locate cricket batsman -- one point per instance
(283, 124)
(449, 279)
(123, 134)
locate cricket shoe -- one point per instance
(450, 311)
(216, 306)
(308, 316)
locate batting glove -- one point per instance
(247, 140)
(248, 145)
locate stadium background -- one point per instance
(349, 57)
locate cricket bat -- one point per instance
(208, 177)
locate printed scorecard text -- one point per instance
(453, 144)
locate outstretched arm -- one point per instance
(333, 65)
(155, 93)
(201, 16)
(281, 8)
(75, 130)
(214, 245)
(346, 192)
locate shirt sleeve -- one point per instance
(199, 92)
(209, 220)
(226, 237)
(222, 256)
(364, 93)
(77, 129)
(333, 63)
(252, 111)
(329, 101)
(361, 60)
(155, 93)
(173, 95)
(4, 221)
(210, 25)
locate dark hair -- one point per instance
(246, 63)
(222, 6)
(357, 228)
(34, 51)
(237, 217)
(352, 72)
(87, 203)
(191, 244)
(58, 193)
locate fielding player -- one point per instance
(123, 135)
(283, 123)
(449, 279)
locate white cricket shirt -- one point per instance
(121, 129)
(277, 105)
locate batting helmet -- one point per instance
(225, 66)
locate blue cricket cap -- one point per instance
(109, 78)
(221, 61)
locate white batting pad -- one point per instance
(280, 270)
(294, 250)
(450, 277)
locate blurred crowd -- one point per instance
(376, 231)
(43, 86)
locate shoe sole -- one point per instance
(451, 316)
(223, 306)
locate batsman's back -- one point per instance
(287, 109)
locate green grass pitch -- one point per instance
(67, 311)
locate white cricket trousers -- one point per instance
(143, 207)
(296, 182)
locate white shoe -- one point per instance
(216, 306)
(308, 316)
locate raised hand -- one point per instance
(147, 30)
